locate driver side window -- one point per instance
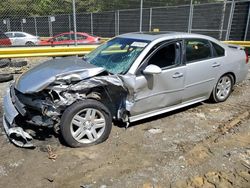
(165, 57)
(63, 37)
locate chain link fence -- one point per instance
(222, 19)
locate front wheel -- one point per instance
(86, 123)
(223, 89)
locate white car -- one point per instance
(21, 38)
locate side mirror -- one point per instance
(152, 69)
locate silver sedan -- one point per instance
(129, 78)
(21, 38)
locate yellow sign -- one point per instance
(156, 30)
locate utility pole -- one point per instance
(74, 19)
(141, 15)
(222, 19)
(230, 20)
(190, 21)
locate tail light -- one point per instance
(247, 58)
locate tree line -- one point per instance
(53, 7)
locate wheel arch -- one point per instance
(75, 109)
(29, 42)
(111, 96)
(232, 76)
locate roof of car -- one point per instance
(72, 32)
(150, 36)
(27, 34)
(16, 32)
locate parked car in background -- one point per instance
(22, 39)
(69, 38)
(131, 77)
(4, 40)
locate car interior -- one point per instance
(197, 50)
(164, 57)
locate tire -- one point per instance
(223, 89)
(5, 77)
(4, 63)
(77, 132)
(18, 63)
(29, 43)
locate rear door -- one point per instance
(202, 69)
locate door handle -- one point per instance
(215, 64)
(177, 75)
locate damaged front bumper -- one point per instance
(16, 134)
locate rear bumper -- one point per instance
(15, 133)
(242, 73)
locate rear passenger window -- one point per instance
(63, 37)
(19, 35)
(219, 51)
(80, 37)
(197, 49)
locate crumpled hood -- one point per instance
(43, 75)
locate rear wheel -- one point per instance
(30, 43)
(85, 123)
(223, 89)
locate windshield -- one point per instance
(117, 55)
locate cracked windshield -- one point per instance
(117, 55)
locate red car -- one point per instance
(4, 40)
(68, 38)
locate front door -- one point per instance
(156, 91)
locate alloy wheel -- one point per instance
(87, 126)
(223, 87)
